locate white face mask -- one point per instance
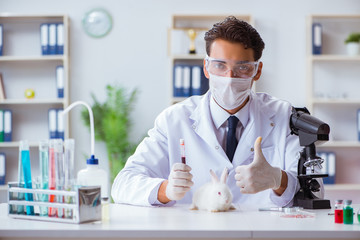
(228, 92)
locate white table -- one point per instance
(132, 222)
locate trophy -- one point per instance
(192, 35)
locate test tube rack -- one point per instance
(85, 205)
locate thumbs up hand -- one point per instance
(259, 175)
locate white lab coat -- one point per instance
(190, 120)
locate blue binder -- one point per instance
(316, 38)
(331, 163)
(2, 168)
(186, 81)
(59, 124)
(44, 38)
(60, 38)
(7, 125)
(52, 119)
(1, 40)
(178, 80)
(60, 78)
(52, 38)
(358, 124)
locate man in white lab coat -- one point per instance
(262, 164)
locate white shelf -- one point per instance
(341, 187)
(16, 144)
(335, 101)
(329, 144)
(32, 58)
(32, 101)
(334, 58)
(188, 57)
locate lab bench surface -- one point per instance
(178, 222)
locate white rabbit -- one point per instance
(214, 196)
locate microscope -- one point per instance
(309, 129)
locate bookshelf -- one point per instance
(332, 87)
(23, 66)
(179, 42)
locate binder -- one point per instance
(331, 168)
(7, 126)
(52, 38)
(44, 38)
(52, 123)
(2, 88)
(60, 38)
(358, 124)
(196, 80)
(1, 125)
(316, 38)
(60, 81)
(178, 81)
(2, 168)
(186, 81)
(1, 40)
(199, 82)
(59, 124)
(324, 169)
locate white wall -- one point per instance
(134, 53)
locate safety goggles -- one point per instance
(240, 69)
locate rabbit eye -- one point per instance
(219, 193)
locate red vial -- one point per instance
(338, 211)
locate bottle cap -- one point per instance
(92, 160)
(348, 202)
(339, 201)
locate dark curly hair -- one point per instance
(236, 31)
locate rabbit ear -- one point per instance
(214, 178)
(224, 175)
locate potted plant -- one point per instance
(112, 125)
(353, 44)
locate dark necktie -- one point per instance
(231, 141)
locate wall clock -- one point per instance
(97, 23)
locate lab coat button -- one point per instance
(216, 147)
(252, 149)
(272, 124)
(193, 126)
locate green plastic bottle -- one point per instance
(348, 212)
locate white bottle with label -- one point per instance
(93, 175)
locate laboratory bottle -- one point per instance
(348, 212)
(44, 173)
(338, 211)
(93, 175)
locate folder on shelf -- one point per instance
(1, 125)
(1, 40)
(331, 159)
(358, 124)
(60, 81)
(178, 81)
(52, 38)
(186, 81)
(52, 123)
(44, 38)
(2, 88)
(7, 125)
(60, 38)
(2, 168)
(199, 83)
(316, 38)
(60, 124)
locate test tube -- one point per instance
(69, 148)
(44, 172)
(52, 183)
(182, 149)
(25, 160)
(59, 173)
(20, 196)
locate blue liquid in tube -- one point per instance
(25, 159)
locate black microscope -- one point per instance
(309, 129)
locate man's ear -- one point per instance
(258, 74)
(205, 71)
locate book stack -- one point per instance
(52, 38)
